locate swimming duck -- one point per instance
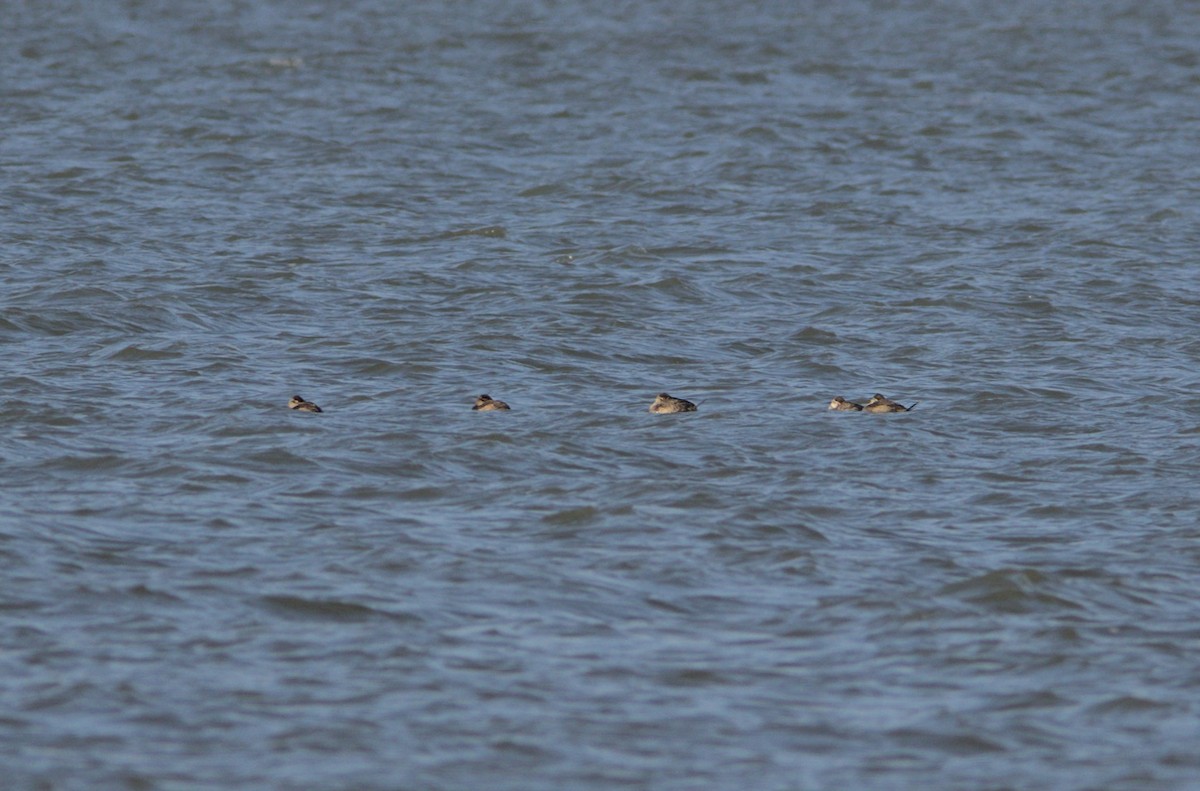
(843, 404)
(485, 403)
(304, 406)
(880, 403)
(665, 404)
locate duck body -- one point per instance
(880, 404)
(485, 403)
(666, 404)
(842, 404)
(301, 405)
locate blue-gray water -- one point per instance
(388, 208)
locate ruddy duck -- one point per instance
(485, 403)
(881, 403)
(664, 404)
(304, 406)
(843, 404)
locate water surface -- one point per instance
(989, 210)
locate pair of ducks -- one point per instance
(663, 404)
(485, 403)
(878, 403)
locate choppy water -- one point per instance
(990, 209)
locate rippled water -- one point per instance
(987, 209)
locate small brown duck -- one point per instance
(485, 403)
(300, 404)
(880, 403)
(844, 405)
(665, 404)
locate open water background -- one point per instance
(989, 208)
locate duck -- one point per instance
(485, 403)
(300, 404)
(880, 403)
(844, 405)
(665, 404)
